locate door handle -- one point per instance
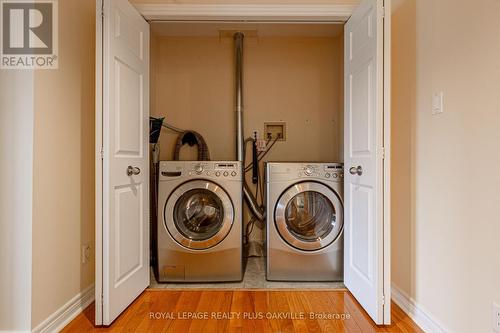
(356, 170)
(133, 171)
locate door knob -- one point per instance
(356, 170)
(133, 170)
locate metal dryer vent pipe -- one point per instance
(238, 45)
(250, 199)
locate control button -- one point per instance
(309, 170)
(341, 175)
(233, 173)
(208, 173)
(217, 173)
(327, 175)
(198, 168)
(226, 173)
(335, 175)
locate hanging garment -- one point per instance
(192, 138)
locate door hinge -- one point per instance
(102, 153)
(383, 299)
(382, 152)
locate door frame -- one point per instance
(387, 159)
(328, 14)
(99, 161)
(335, 13)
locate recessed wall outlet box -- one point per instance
(437, 103)
(275, 131)
(495, 316)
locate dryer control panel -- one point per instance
(325, 171)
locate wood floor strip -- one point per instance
(253, 311)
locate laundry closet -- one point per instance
(290, 84)
(292, 75)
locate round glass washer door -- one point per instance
(198, 214)
(309, 216)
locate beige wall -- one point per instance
(445, 218)
(63, 199)
(291, 79)
(403, 109)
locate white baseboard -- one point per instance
(421, 316)
(64, 315)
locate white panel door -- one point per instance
(125, 166)
(366, 260)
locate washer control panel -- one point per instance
(216, 169)
(200, 169)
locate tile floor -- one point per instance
(254, 278)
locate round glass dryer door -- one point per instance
(199, 214)
(309, 216)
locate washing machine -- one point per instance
(305, 221)
(199, 222)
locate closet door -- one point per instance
(366, 255)
(122, 261)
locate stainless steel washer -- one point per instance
(200, 239)
(305, 221)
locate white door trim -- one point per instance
(99, 144)
(387, 160)
(231, 12)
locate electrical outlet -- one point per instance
(495, 316)
(275, 131)
(86, 253)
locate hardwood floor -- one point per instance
(253, 311)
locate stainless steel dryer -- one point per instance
(199, 227)
(305, 221)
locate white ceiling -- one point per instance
(214, 29)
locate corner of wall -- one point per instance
(16, 198)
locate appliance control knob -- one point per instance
(198, 168)
(226, 174)
(233, 173)
(309, 170)
(335, 175)
(327, 175)
(217, 173)
(208, 173)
